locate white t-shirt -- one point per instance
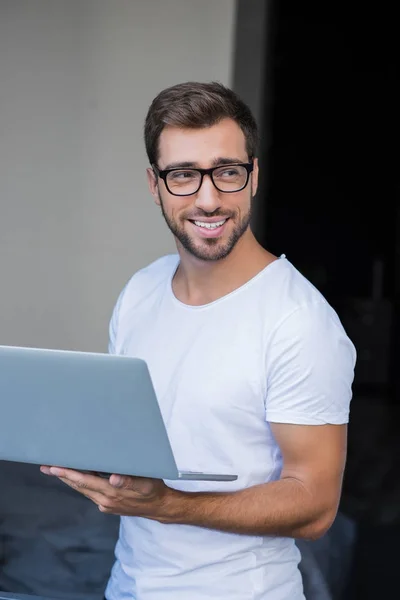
(272, 350)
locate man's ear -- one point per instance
(254, 178)
(153, 185)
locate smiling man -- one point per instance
(252, 368)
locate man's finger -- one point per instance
(81, 480)
(119, 481)
(140, 485)
(45, 469)
(94, 497)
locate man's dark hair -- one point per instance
(195, 105)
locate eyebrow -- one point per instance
(216, 162)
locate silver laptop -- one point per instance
(85, 411)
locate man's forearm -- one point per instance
(283, 507)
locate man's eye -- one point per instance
(180, 175)
(227, 173)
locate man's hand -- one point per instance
(121, 495)
(301, 504)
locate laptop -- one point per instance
(85, 411)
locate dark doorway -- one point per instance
(331, 184)
(329, 201)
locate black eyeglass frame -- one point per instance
(164, 173)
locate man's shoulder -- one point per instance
(159, 269)
(293, 300)
(144, 281)
(293, 289)
(299, 307)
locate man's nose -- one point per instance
(208, 198)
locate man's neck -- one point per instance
(199, 282)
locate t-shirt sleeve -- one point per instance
(112, 330)
(310, 368)
(113, 325)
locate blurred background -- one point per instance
(76, 80)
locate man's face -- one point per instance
(192, 218)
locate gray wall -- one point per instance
(76, 79)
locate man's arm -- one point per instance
(301, 504)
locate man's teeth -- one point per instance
(209, 225)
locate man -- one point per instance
(252, 369)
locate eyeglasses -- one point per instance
(226, 178)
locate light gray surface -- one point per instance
(86, 411)
(77, 219)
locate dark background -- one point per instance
(329, 200)
(332, 161)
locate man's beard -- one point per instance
(211, 249)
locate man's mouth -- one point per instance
(208, 225)
(211, 228)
